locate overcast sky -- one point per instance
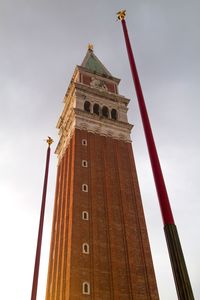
(41, 43)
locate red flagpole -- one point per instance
(40, 230)
(181, 277)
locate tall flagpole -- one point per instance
(39, 240)
(182, 281)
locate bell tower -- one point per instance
(99, 244)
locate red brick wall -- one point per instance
(119, 265)
(86, 79)
(111, 87)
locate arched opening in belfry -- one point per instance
(87, 106)
(105, 111)
(96, 109)
(114, 114)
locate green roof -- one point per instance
(94, 65)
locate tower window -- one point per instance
(85, 215)
(114, 114)
(105, 112)
(86, 288)
(87, 106)
(84, 163)
(84, 142)
(85, 248)
(85, 187)
(96, 109)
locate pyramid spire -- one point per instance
(93, 64)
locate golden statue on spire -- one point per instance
(121, 15)
(90, 47)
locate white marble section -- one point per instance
(75, 116)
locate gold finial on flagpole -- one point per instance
(49, 140)
(121, 15)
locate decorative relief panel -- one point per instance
(100, 84)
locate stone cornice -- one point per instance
(101, 93)
(100, 119)
(71, 84)
(108, 78)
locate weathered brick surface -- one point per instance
(86, 79)
(119, 265)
